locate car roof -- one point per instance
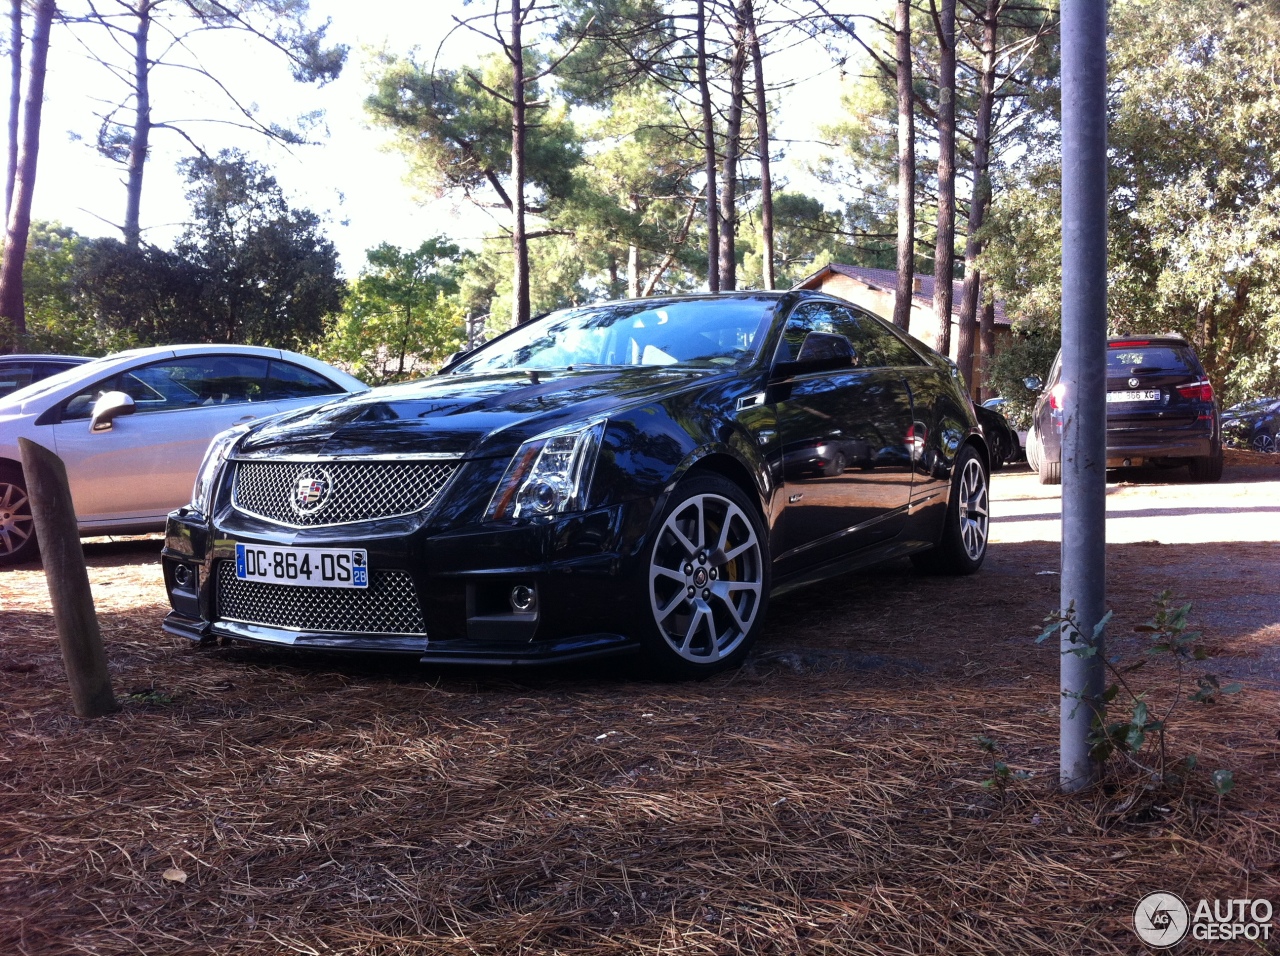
(39, 357)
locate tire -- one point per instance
(708, 538)
(999, 452)
(1264, 442)
(17, 527)
(963, 545)
(1205, 470)
(837, 466)
(1050, 471)
(1033, 449)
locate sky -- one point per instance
(350, 178)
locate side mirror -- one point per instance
(1033, 382)
(821, 352)
(109, 407)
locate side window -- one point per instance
(826, 317)
(179, 383)
(882, 345)
(80, 405)
(292, 381)
(17, 375)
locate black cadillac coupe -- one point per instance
(636, 476)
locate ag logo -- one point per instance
(311, 492)
(1161, 920)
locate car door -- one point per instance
(143, 466)
(846, 465)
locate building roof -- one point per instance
(887, 281)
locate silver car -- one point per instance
(133, 427)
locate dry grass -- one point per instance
(825, 799)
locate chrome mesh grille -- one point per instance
(389, 605)
(356, 490)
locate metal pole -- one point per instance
(1084, 346)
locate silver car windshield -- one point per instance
(707, 333)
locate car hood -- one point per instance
(473, 416)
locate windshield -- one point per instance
(701, 333)
(35, 389)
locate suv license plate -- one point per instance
(1142, 395)
(303, 567)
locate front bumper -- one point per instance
(581, 569)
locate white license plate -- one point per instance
(1141, 395)
(303, 567)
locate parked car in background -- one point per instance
(603, 480)
(1160, 410)
(19, 371)
(1253, 425)
(1002, 437)
(133, 427)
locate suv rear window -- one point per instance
(1152, 358)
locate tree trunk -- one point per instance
(15, 248)
(709, 150)
(15, 100)
(987, 340)
(140, 143)
(633, 257)
(906, 171)
(519, 242)
(981, 198)
(945, 249)
(732, 150)
(766, 176)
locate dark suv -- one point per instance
(1160, 410)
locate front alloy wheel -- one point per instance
(17, 526)
(708, 579)
(1264, 442)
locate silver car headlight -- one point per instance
(219, 449)
(550, 474)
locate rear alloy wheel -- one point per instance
(708, 579)
(1264, 442)
(963, 546)
(837, 466)
(17, 527)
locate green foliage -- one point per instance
(404, 315)
(1195, 190)
(1123, 722)
(457, 136)
(1001, 773)
(266, 273)
(1028, 350)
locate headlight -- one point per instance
(550, 474)
(219, 449)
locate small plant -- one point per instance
(1129, 736)
(1001, 774)
(150, 696)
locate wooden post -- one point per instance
(68, 578)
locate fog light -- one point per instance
(523, 598)
(182, 575)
